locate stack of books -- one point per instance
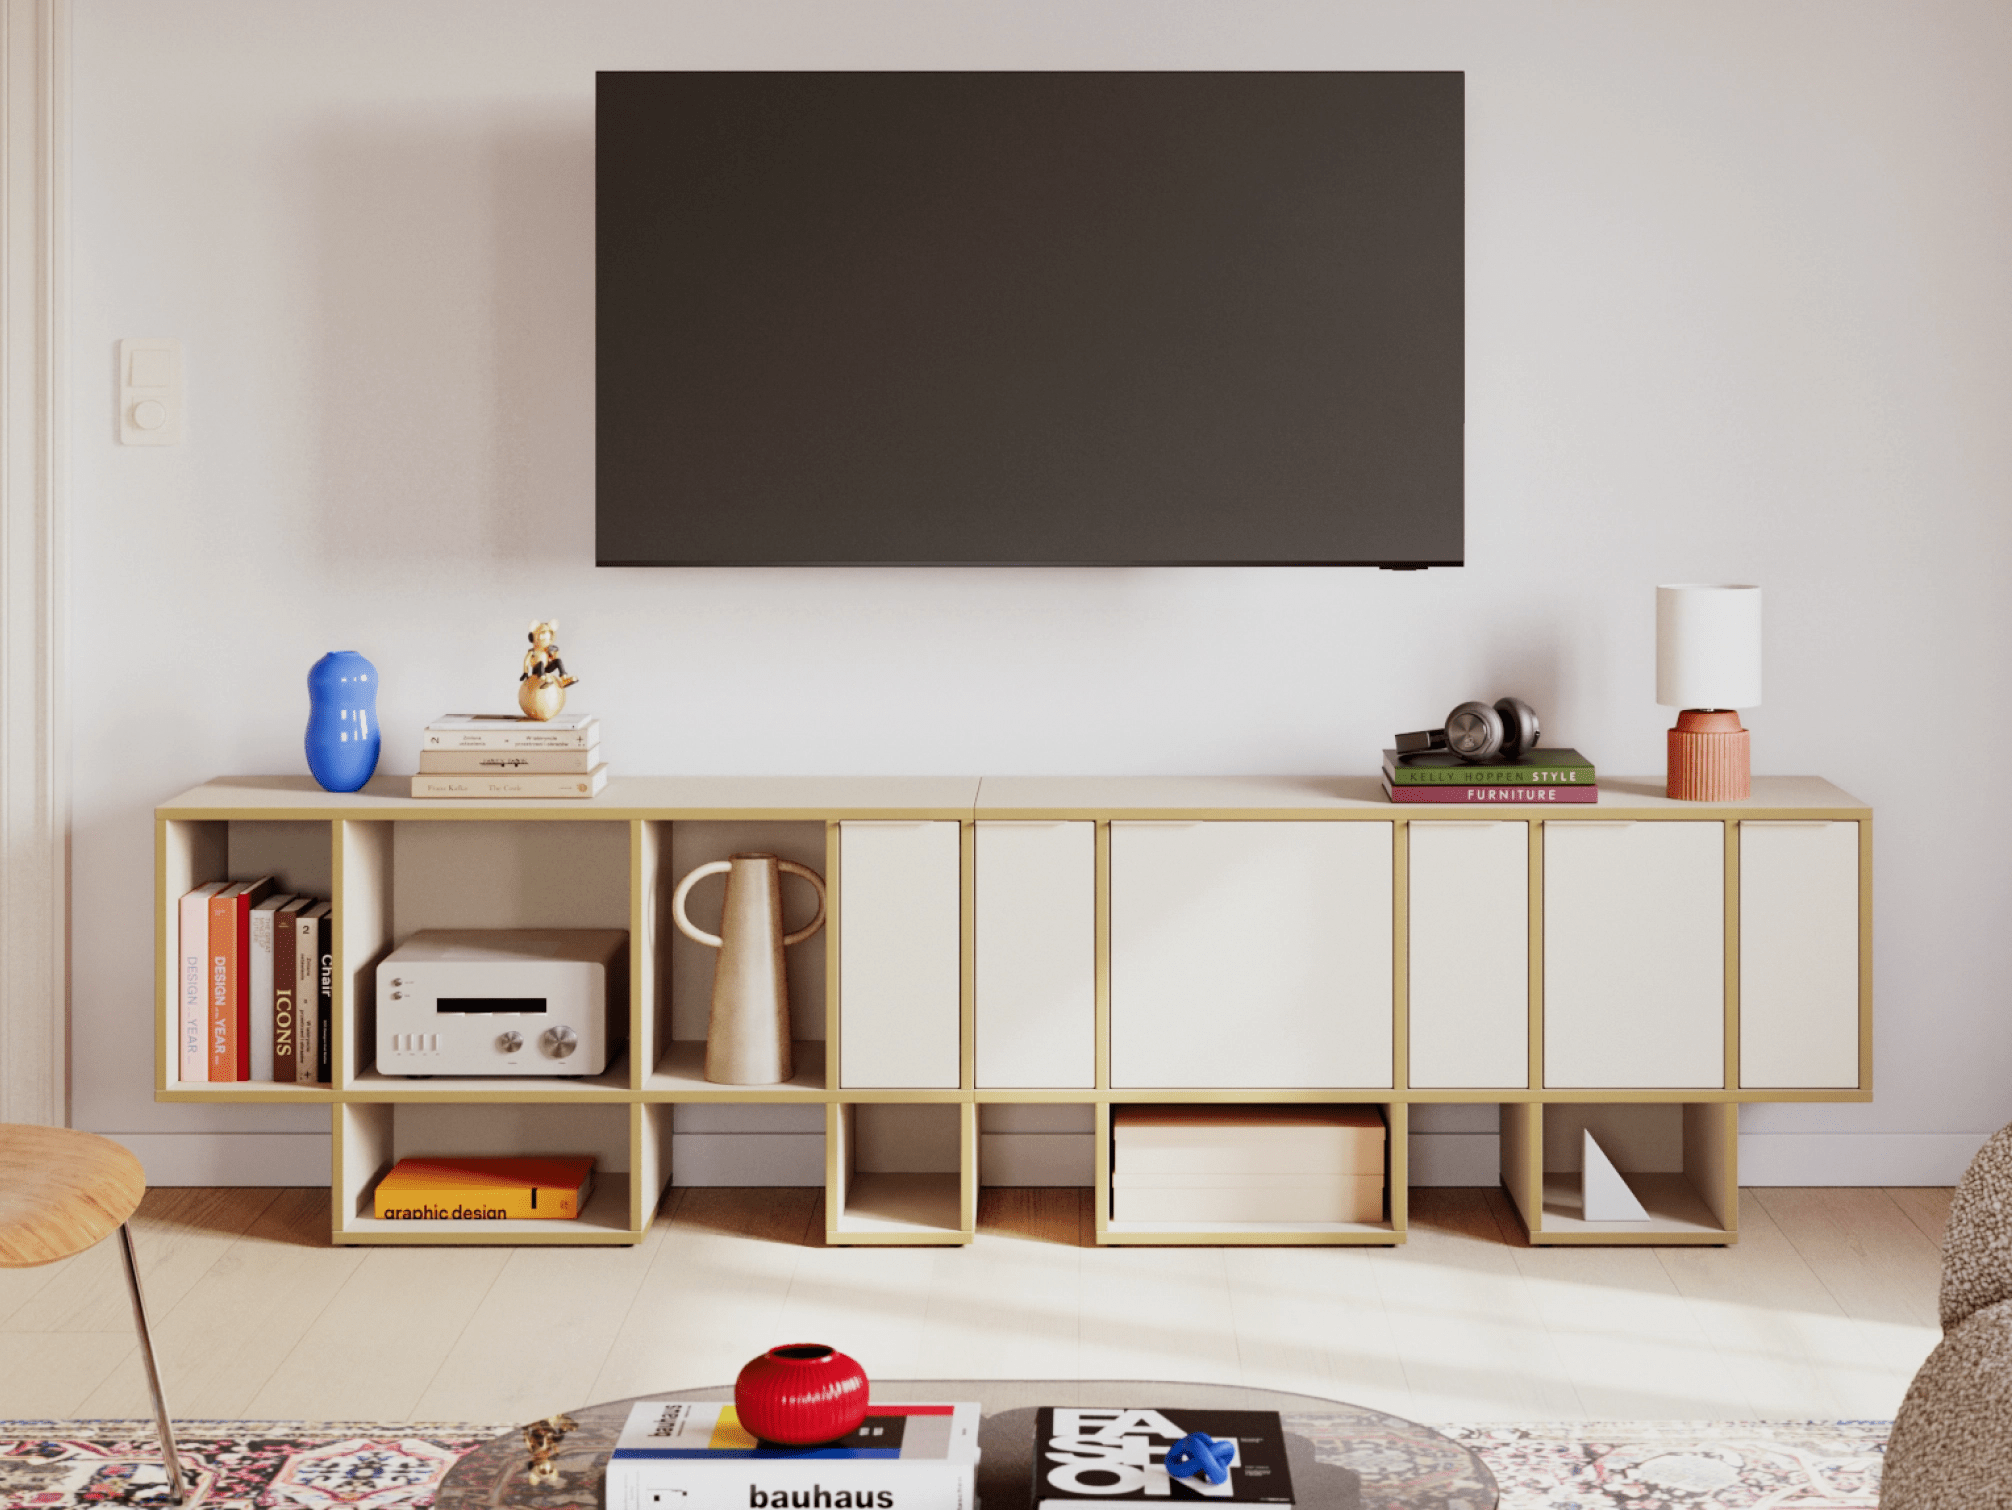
(1174, 1164)
(484, 1190)
(508, 755)
(1539, 776)
(256, 979)
(677, 1455)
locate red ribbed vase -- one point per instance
(1708, 760)
(801, 1393)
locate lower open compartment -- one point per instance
(630, 1145)
(900, 1172)
(1287, 1187)
(1677, 1160)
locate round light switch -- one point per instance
(150, 414)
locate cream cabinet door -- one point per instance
(1469, 951)
(1634, 954)
(1250, 955)
(899, 917)
(1037, 955)
(1799, 955)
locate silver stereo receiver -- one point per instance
(505, 1001)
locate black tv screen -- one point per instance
(1030, 318)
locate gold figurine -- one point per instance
(541, 690)
(542, 1438)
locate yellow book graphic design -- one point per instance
(484, 1190)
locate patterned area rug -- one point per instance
(1665, 1465)
(1612, 1465)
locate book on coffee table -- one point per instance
(1085, 1455)
(679, 1455)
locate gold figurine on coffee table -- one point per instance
(541, 690)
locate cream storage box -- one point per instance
(1247, 1163)
(510, 1001)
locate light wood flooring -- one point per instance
(1824, 1310)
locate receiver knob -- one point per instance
(510, 1042)
(559, 1042)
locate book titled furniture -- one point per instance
(1638, 967)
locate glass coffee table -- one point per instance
(1343, 1457)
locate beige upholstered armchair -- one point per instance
(1951, 1447)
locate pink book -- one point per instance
(191, 984)
(1491, 794)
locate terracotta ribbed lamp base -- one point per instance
(1708, 758)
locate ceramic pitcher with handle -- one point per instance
(747, 1036)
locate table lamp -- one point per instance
(1708, 664)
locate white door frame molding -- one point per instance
(34, 529)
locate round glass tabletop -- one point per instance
(1343, 1457)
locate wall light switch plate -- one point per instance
(150, 392)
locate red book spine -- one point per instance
(1492, 794)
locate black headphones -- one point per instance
(1480, 731)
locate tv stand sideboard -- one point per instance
(1790, 1018)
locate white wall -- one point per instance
(1738, 310)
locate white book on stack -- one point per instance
(681, 1455)
(509, 762)
(532, 785)
(511, 731)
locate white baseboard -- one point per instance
(1856, 1158)
(747, 1158)
(1455, 1159)
(173, 1159)
(1037, 1158)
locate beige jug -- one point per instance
(747, 1036)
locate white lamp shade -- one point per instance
(1708, 645)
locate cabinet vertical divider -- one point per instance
(1397, 1167)
(967, 1169)
(363, 911)
(1103, 1151)
(1522, 1149)
(834, 934)
(1865, 955)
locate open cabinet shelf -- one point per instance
(1696, 1203)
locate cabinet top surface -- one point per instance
(996, 797)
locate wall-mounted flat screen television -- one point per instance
(1092, 319)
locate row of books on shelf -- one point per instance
(256, 980)
(1562, 775)
(507, 755)
(924, 1456)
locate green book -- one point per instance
(1539, 767)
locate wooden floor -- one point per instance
(1824, 1309)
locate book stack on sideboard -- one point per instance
(1247, 1163)
(257, 978)
(508, 755)
(1539, 776)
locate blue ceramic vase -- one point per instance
(342, 720)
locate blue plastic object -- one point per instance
(342, 737)
(1198, 1452)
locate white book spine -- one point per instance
(260, 983)
(306, 997)
(192, 982)
(509, 762)
(785, 1484)
(509, 736)
(511, 786)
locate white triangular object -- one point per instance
(1605, 1196)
